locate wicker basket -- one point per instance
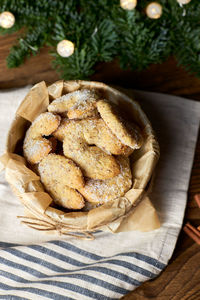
(39, 214)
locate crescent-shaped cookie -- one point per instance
(131, 138)
(102, 191)
(95, 132)
(93, 161)
(61, 176)
(76, 105)
(35, 146)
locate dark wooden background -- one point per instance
(181, 278)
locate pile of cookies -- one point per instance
(80, 148)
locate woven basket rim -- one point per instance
(116, 93)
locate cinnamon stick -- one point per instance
(192, 232)
(195, 230)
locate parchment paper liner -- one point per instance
(123, 214)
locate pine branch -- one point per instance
(187, 51)
(102, 31)
(141, 42)
(79, 65)
(104, 41)
(29, 44)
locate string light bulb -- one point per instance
(183, 2)
(154, 10)
(128, 4)
(65, 48)
(7, 19)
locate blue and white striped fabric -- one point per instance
(60, 270)
(39, 266)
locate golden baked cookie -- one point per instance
(44, 124)
(62, 129)
(79, 113)
(93, 161)
(61, 176)
(108, 113)
(58, 167)
(76, 105)
(65, 196)
(96, 132)
(101, 191)
(35, 146)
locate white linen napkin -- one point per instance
(34, 265)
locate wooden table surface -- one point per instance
(181, 278)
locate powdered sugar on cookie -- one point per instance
(102, 191)
(76, 105)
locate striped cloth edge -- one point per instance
(60, 270)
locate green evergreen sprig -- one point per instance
(102, 31)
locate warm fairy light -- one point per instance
(154, 10)
(128, 4)
(182, 2)
(65, 48)
(7, 19)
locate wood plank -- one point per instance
(179, 281)
(36, 69)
